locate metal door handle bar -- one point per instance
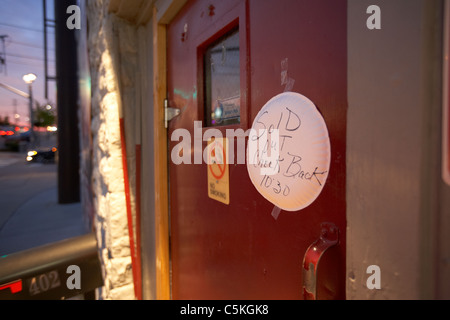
(329, 236)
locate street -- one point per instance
(29, 211)
(20, 181)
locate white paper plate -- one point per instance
(295, 172)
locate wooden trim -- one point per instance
(167, 9)
(160, 157)
(134, 260)
(446, 98)
(148, 249)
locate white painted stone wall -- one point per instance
(110, 221)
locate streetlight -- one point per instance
(29, 79)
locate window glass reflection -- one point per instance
(222, 81)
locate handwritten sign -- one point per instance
(288, 153)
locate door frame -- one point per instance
(163, 13)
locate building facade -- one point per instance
(375, 71)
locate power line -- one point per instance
(29, 45)
(21, 27)
(26, 57)
(23, 63)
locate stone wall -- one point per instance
(110, 219)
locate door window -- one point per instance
(222, 81)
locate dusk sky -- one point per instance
(22, 22)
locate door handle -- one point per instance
(329, 237)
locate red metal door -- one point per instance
(238, 250)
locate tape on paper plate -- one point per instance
(289, 152)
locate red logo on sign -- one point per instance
(213, 157)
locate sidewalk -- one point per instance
(41, 220)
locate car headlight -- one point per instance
(31, 153)
(29, 158)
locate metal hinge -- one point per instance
(169, 113)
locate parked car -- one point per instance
(6, 131)
(13, 141)
(46, 155)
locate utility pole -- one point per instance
(3, 52)
(68, 105)
(48, 23)
(30, 107)
(16, 115)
